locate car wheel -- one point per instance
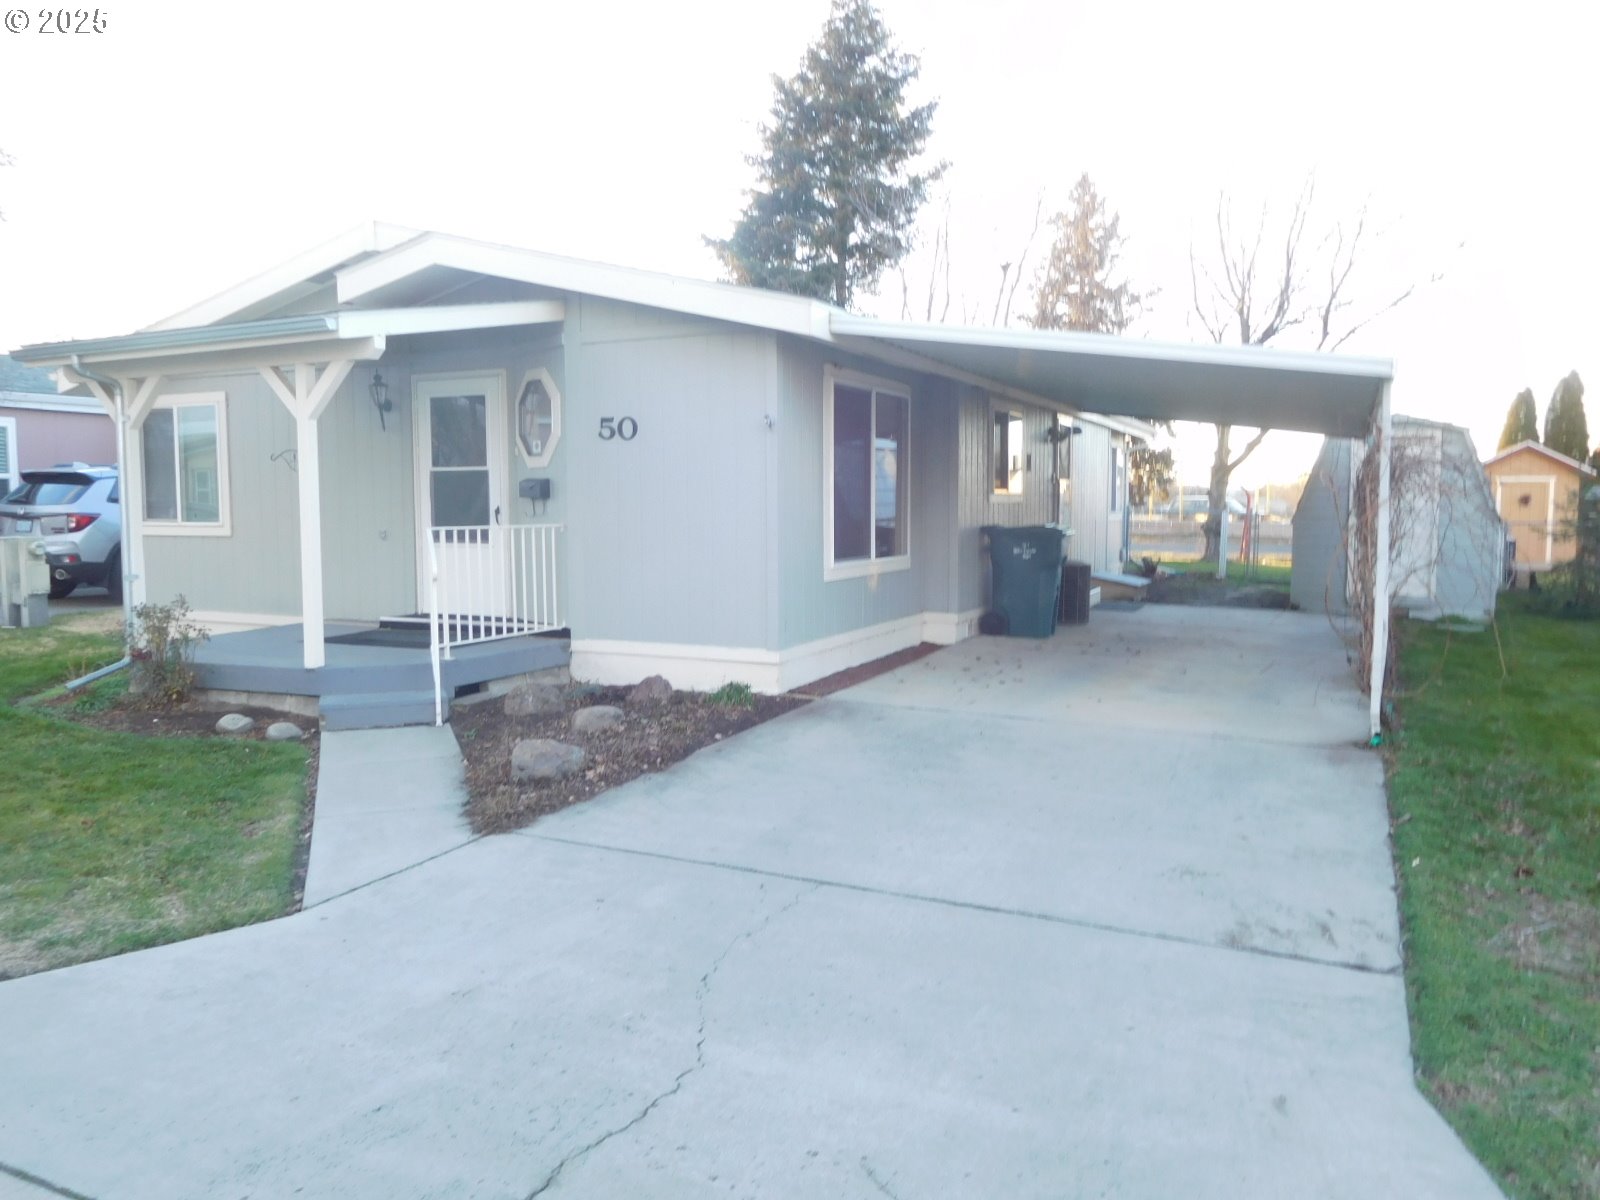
(114, 576)
(60, 589)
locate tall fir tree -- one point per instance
(1522, 421)
(1566, 429)
(1077, 287)
(839, 189)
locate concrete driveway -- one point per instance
(1109, 915)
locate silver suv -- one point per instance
(74, 508)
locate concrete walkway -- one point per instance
(387, 799)
(1109, 915)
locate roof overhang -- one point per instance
(319, 337)
(1150, 381)
(1540, 447)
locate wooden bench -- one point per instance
(1120, 587)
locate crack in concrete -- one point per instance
(866, 1168)
(702, 992)
(55, 1189)
(1361, 968)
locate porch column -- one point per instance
(307, 397)
(1380, 566)
(128, 410)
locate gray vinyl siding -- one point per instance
(257, 568)
(1096, 529)
(809, 606)
(1317, 578)
(977, 503)
(667, 533)
(1472, 536)
(370, 543)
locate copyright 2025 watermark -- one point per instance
(55, 20)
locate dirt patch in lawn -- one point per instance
(651, 736)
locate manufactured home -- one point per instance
(40, 428)
(523, 461)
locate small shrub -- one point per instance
(163, 641)
(734, 695)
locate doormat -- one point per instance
(400, 639)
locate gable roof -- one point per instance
(17, 378)
(1544, 450)
(377, 273)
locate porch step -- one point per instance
(377, 710)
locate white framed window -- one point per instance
(183, 446)
(1008, 457)
(538, 418)
(866, 425)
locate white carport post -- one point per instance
(1380, 567)
(307, 398)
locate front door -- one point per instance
(460, 427)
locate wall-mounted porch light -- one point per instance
(380, 398)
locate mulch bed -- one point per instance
(652, 736)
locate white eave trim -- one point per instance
(717, 301)
(397, 322)
(1542, 449)
(371, 237)
(56, 404)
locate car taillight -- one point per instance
(80, 521)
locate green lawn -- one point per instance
(115, 842)
(1266, 576)
(1495, 793)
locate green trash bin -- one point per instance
(1025, 566)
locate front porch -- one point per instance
(363, 686)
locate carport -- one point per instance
(1337, 396)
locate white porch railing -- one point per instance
(488, 582)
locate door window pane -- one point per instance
(852, 473)
(160, 467)
(461, 497)
(197, 457)
(459, 430)
(889, 500)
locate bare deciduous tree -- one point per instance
(1247, 297)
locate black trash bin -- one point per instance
(1074, 593)
(1025, 566)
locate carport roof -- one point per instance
(1152, 381)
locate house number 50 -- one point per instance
(625, 428)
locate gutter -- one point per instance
(114, 389)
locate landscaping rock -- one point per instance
(284, 731)
(235, 723)
(596, 719)
(535, 700)
(653, 690)
(534, 759)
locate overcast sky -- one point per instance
(191, 145)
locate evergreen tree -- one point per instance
(1076, 288)
(1566, 429)
(838, 193)
(1522, 421)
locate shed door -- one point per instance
(460, 425)
(1527, 505)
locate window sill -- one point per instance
(174, 529)
(865, 567)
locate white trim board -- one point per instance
(219, 621)
(705, 668)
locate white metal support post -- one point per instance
(1380, 568)
(307, 398)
